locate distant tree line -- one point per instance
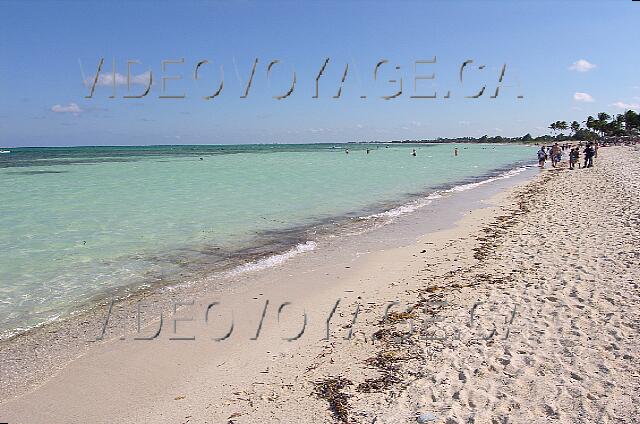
(603, 125)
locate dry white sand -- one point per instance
(525, 312)
(553, 290)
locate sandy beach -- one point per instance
(244, 212)
(519, 307)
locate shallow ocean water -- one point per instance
(81, 223)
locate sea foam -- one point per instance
(414, 205)
(274, 260)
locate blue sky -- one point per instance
(567, 59)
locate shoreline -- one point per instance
(572, 340)
(73, 336)
(266, 246)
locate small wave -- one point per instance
(420, 203)
(274, 260)
(406, 208)
(503, 176)
(19, 330)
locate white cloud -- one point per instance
(583, 97)
(107, 79)
(70, 108)
(582, 65)
(626, 106)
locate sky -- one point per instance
(562, 61)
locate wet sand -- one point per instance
(526, 310)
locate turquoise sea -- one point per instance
(78, 224)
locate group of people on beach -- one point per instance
(554, 154)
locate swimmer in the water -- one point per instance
(413, 153)
(455, 152)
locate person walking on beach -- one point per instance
(556, 154)
(574, 157)
(542, 157)
(589, 152)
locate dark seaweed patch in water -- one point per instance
(196, 261)
(36, 172)
(61, 156)
(54, 162)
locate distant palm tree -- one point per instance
(631, 122)
(562, 126)
(602, 122)
(575, 127)
(616, 126)
(553, 127)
